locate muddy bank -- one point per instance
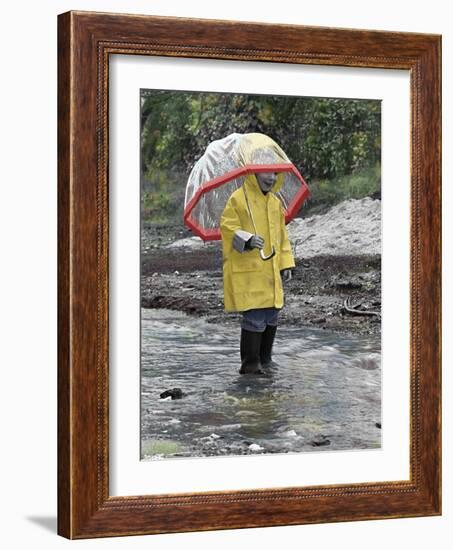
(191, 281)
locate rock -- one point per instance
(320, 441)
(319, 320)
(175, 393)
(349, 285)
(188, 242)
(255, 448)
(378, 425)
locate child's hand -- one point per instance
(287, 275)
(256, 242)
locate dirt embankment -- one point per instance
(186, 275)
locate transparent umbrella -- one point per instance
(223, 168)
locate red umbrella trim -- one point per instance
(214, 234)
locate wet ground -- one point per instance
(324, 395)
(191, 281)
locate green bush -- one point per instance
(325, 193)
(334, 142)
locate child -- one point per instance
(256, 257)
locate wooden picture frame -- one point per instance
(85, 42)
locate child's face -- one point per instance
(266, 180)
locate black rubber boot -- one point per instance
(267, 342)
(250, 352)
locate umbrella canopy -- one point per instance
(223, 168)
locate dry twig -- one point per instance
(349, 308)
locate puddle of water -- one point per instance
(324, 395)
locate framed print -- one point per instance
(249, 275)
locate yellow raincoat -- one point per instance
(248, 281)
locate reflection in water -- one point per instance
(324, 395)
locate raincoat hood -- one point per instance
(251, 183)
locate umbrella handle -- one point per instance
(263, 255)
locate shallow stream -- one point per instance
(324, 395)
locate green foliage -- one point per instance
(326, 193)
(326, 138)
(163, 196)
